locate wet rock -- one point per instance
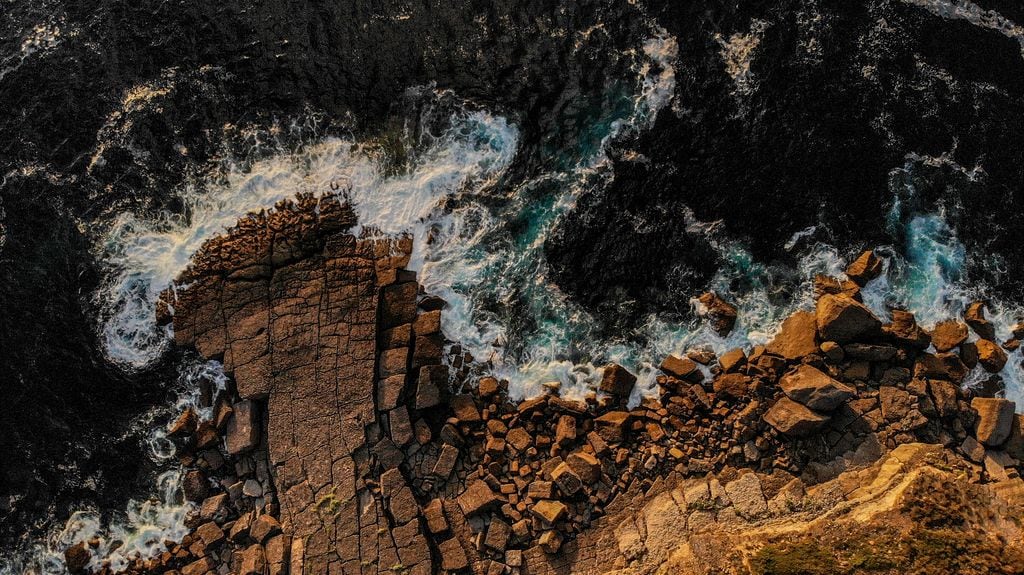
(210, 533)
(243, 432)
(948, 334)
(488, 387)
(617, 381)
(185, 424)
(720, 314)
(995, 420)
(990, 355)
(865, 268)
(844, 320)
(905, 331)
(77, 558)
(682, 368)
(732, 360)
(194, 486)
(797, 337)
(794, 419)
(827, 285)
(815, 389)
(975, 317)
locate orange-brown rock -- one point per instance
(815, 389)
(843, 320)
(995, 420)
(975, 317)
(797, 337)
(865, 268)
(617, 380)
(990, 355)
(794, 419)
(905, 331)
(720, 314)
(948, 334)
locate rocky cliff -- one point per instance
(355, 439)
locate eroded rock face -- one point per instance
(293, 304)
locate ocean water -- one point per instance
(479, 244)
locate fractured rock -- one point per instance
(794, 419)
(948, 334)
(616, 380)
(843, 320)
(995, 420)
(865, 268)
(796, 338)
(720, 314)
(815, 389)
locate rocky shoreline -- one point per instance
(348, 444)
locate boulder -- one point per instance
(453, 556)
(975, 317)
(990, 355)
(549, 510)
(184, 425)
(794, 419)
(732, 360)
(612, 426)
(905, 331)
(797, 337)
(565, 430)
(433, 512)
(869, 352)
(720, 314)
(682, 368)
(617, 381)
(428, 385)
(865, 268)
(488, 387)
(498, 533)
(77, 558)
(550, 541)
(477, 497)
(264, 527)
(733, 385)
(815, 389)
(243, 432)
(944, 396)
(948, 334)
(843, 320)
(585, 465)
(465, 408)
(254, 561)
(995, 420)
(567, 480)
(828, 285)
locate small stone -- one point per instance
(565, 430)
(498, 533)
(975, 317)
(612, 426)
(465, 408)
(732, 360)
(210, 533)
(833, 351)
(434, 514)
(586, 466)
(488, 387)
(566, 479)
(77, 558)
(681, 368)
(264, 527)
(519, 439)
(254, 561)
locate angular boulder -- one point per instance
(720, 314)
(243, 432)
(948, 334)
(796, 338)
(975, 317)
(816, 389)
(794, 419)
(905, 331)
(617, 380)
(990, 355)
(843, 320)
(995, 420)
(865, 268)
